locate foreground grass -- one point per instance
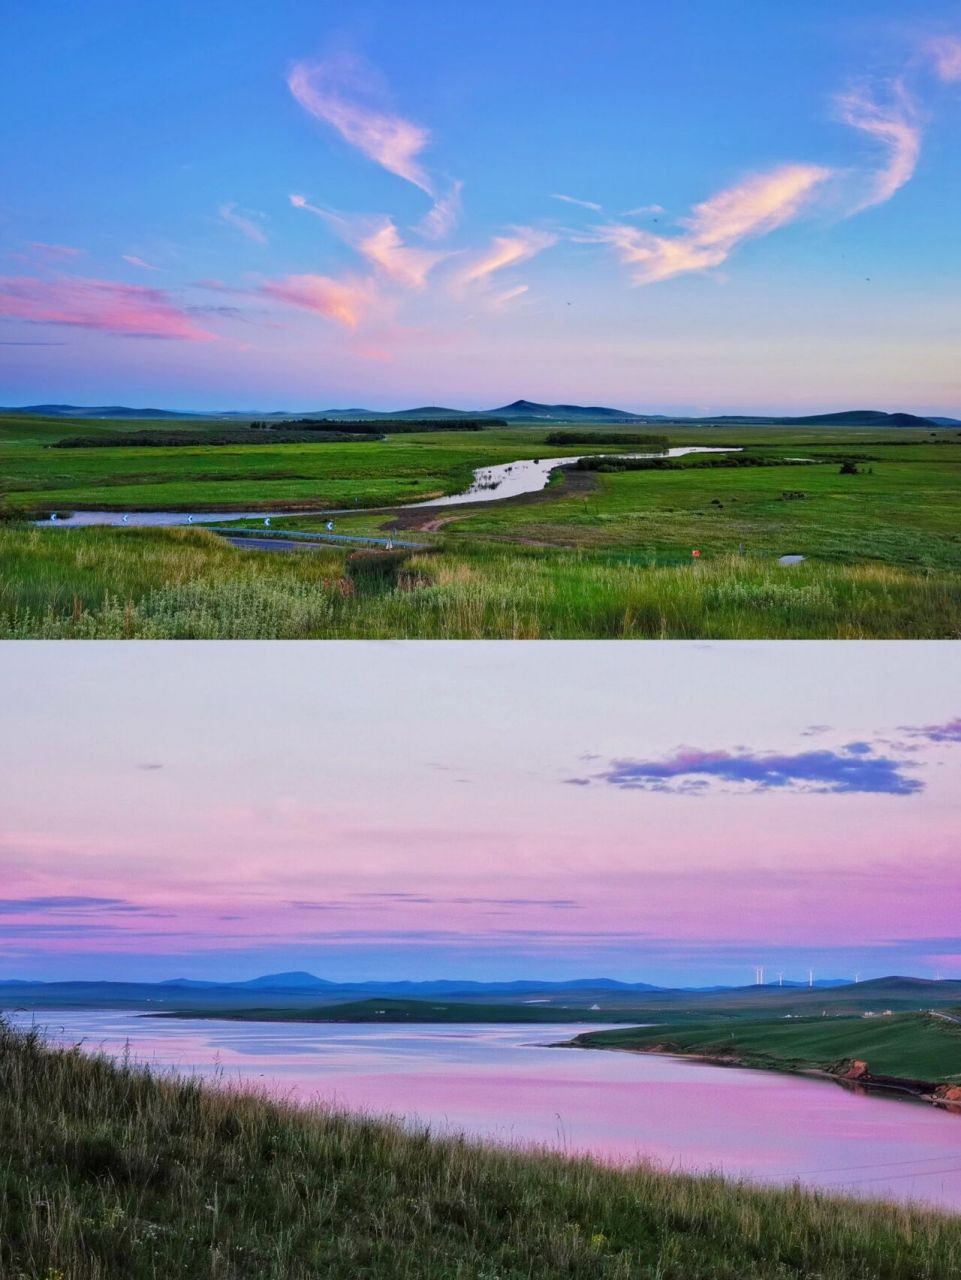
(909, 1046)
(189, 584)
(109, 1171)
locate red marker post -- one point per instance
(696, 554)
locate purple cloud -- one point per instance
(950, 731)
(847, 772)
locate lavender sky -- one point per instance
(665, 812)
(695, 207)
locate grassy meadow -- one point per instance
(595, 555)
(109, 1170)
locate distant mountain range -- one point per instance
(520, 411)
(301, 981)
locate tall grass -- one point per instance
(183, 584)
(108, 1170)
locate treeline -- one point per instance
(382, 426)
(166, 439)
(607, 437)
(605, 462)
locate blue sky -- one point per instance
(777, 192)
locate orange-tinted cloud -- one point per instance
(378, 240)
(716, 227)
(892, 123)
(390, 140)
(403, 264)
(340, 300)
(128, 309)
(507, 251)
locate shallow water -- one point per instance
(503, 1084)
(490, 484)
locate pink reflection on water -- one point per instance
(504, 1084)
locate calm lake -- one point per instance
(504, 1084)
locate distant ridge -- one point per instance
(300, 980)
(518, 411)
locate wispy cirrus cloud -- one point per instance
(344, 301)
(444, 215)
(246, 221)
(584, 204)
(892, 122)
(135, 260)
(851, 770)
(86, 303)
(945, 54)
(521, 245)
(378, 240)
(44, 250)
(950, 731)
(402, 263)
(330, 92)
(755, 207)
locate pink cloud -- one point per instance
(340, 300)
(389, 140)
(507, 251)
(407, 266)
(243, 221)
(894, 125)
(755, 207)
(378, 240)
(128, 309)
(945, 53)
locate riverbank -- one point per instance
(912, 1054)
(110, 1170)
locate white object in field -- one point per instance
(791, 559)
(126, 518)
(330, 526)
(53, 517)
(267, 521)
(390, 545)
(190, 519)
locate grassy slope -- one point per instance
(914, 1046)
(108, 1172)
(183, 584)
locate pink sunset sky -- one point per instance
(669, 813)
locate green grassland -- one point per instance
(908, 1046)
(109, 1170)
(595, 555)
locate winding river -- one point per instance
(489, 484)
(506, 1084)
